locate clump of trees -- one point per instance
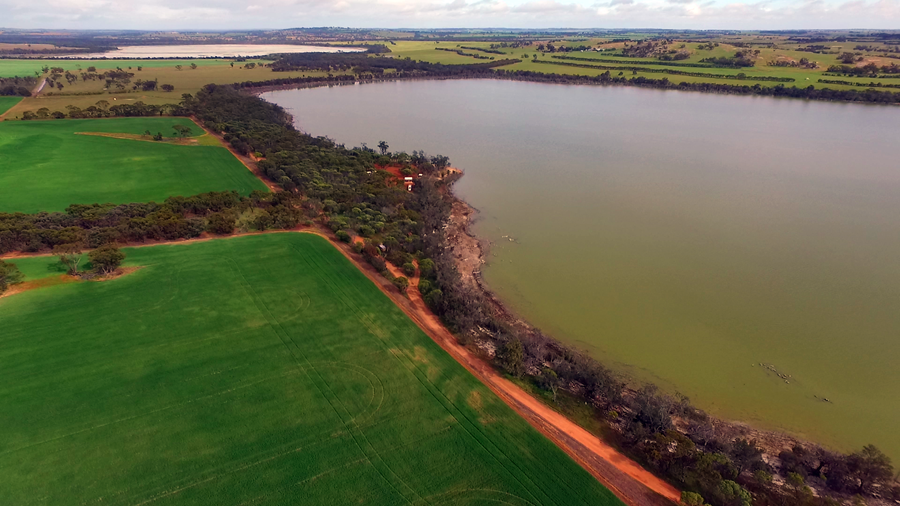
(741, 58)
(70, 255)
(868, 70)
(103, 109)
(182, 131)
(17, 86)
(9, 275)
(88, 226)
(106, 259)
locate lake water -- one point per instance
(210, 50)
(684, 238)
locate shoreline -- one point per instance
(771, 441)
(829, 95)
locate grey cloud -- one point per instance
(225, 14)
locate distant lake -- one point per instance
(684, 238)
(210, 50)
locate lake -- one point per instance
(210, 50)
(698, 241)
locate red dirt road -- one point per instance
(630, 482)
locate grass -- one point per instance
(28, 66)
(47, 167)
(250, 370)
(7, 103)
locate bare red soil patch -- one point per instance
(62, 279)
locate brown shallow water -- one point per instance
(685, 238)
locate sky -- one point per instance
(273, 14)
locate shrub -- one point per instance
(691, 499)
(193, 227)
(366, 231)
(106, 258)
(378, 263)
(342, 235)
(9, 275)
(220, 223)
(434, 299)
(426, 268)
(512, 357)
(401, 283)
(337, 223)
(409, 269)
(99, 236)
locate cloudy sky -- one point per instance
(225, 14)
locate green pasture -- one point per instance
(254, 370)
(801, 79)
(28, 66)
(425, 51)
(47, 166)
(7, 103)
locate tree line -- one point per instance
(93, 225)
(102, 109)
(810, 92)
(864, 85)
(868, 70)
(740, 76)
(360, 63)
(636, 62)
(17, 86)
(463, 53)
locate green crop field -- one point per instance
(27, 67)
(7, 103)
(254, 370)
(47, 166)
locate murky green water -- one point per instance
(685, 237)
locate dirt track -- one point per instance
(633, 484)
